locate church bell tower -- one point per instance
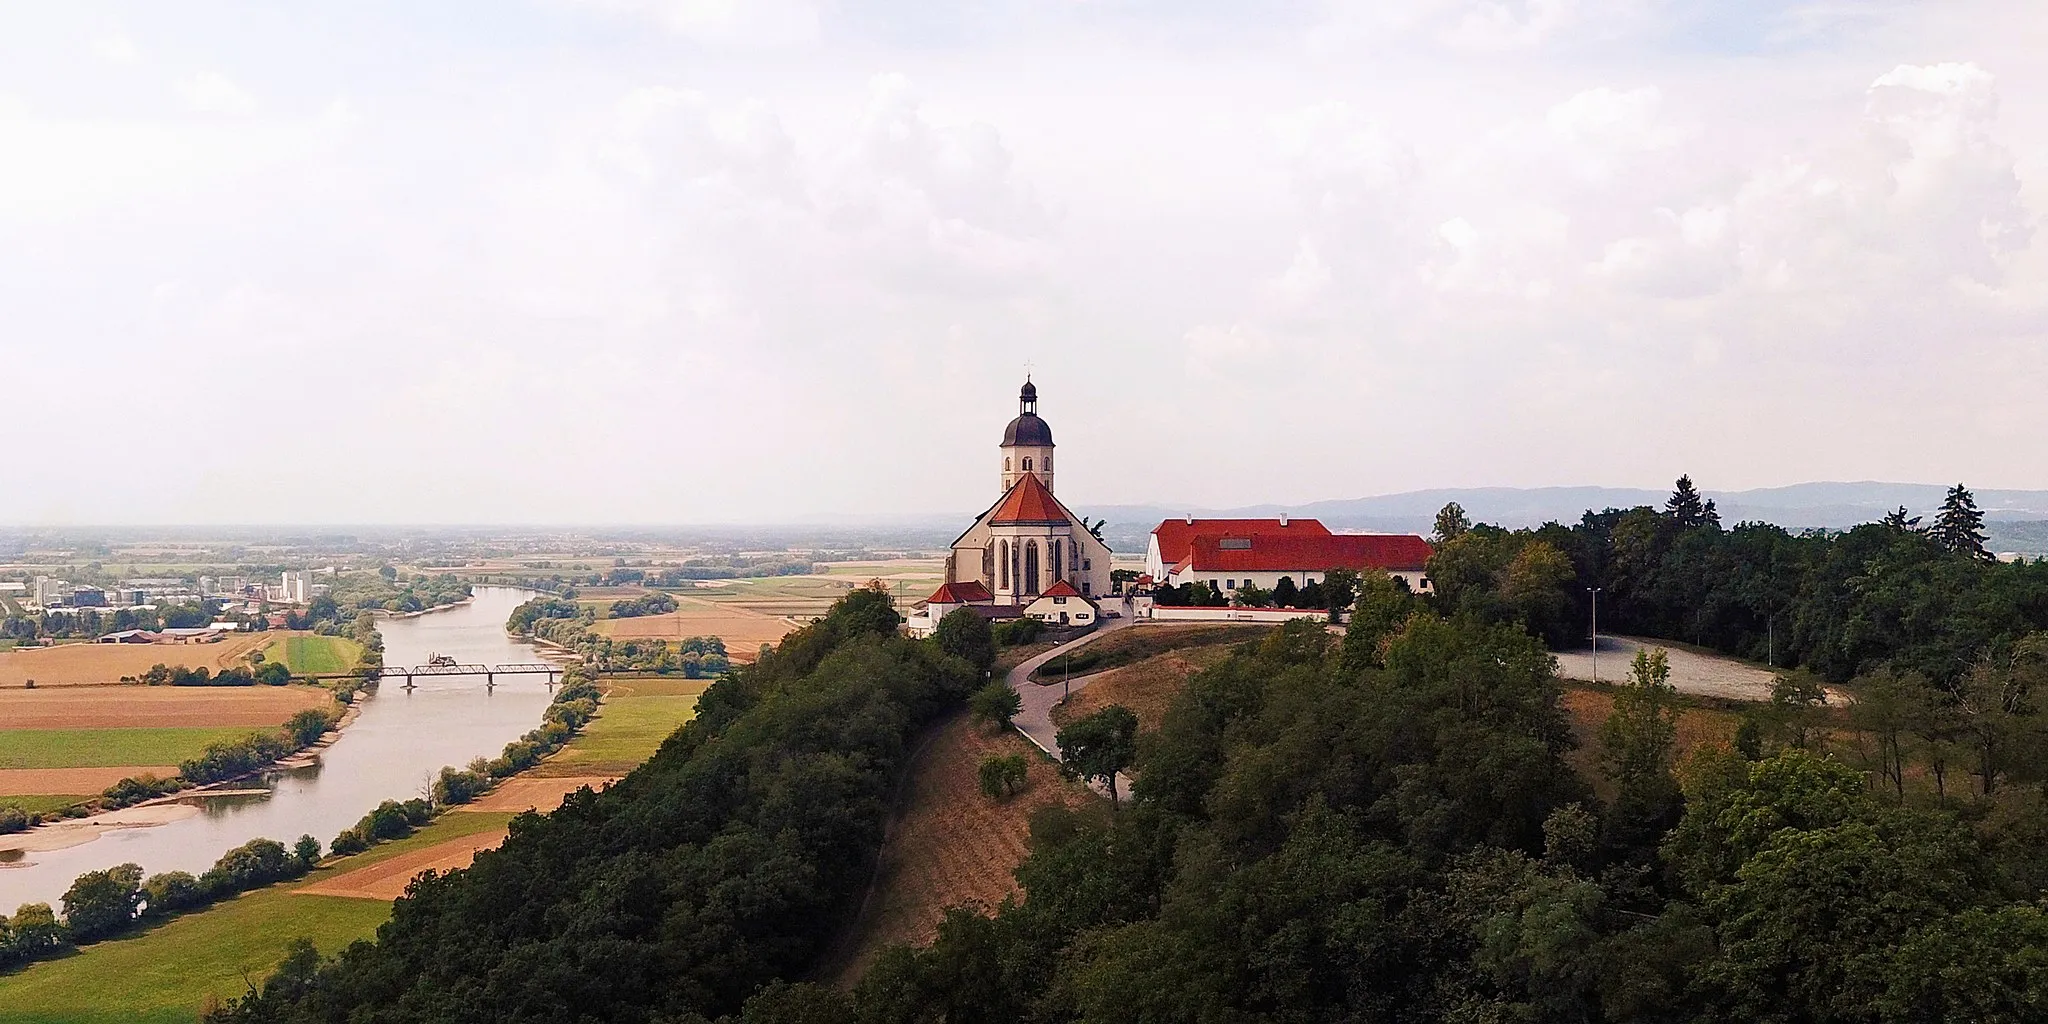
(1027, 442)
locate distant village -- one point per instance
(235, 603)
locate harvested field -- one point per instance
(150, 707)
(386, 880)
(743, 630)
(517, 795)
(1147, 688)
(26, 781)
(949, 845)
(87, 664)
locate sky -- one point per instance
(720, 261)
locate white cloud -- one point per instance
(115, 49)
(737, 23)
(210, 92)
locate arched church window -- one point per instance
(1031, 567)
(988, 562)
(1054, 563)
(1006, 565)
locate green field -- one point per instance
(628, 728)
(163, 974)
(314, 655)
(108, 748)
(40, 803)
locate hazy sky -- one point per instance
(729, 260)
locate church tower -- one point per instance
(1027, 442)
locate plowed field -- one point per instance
(742, 630)
(26, 781)
(148, 707)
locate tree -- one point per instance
(964, 634)
(1451, 523)
(1798, 709)
(1959, 527)
(103, 902)
(1285, 593)
(995, 705)
(1900, 520)
(1249, 595)
(1687, 509)
(1883, 717)
(1100, 745)
(1636, 745)
(1001, 776)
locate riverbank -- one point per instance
(379, 613)
(163, 972)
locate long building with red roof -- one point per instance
(1231, 553)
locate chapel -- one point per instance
(1027, 545)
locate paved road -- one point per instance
(1708, 675)
(1034, 720)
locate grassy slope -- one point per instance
(319, 655)
(164, 973)
(1135, 645)
(39, 803)
(102, 748)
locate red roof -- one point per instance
(969, 592)
(1309, 553)
(1060, 588)
(1028, 502)
(1175, 534)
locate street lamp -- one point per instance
(1595, 591)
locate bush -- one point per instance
(1003, 776)
(14, 819)
(255, 863)
(307, 850)
(995, 705)
(306, 727)
(31, 934)
(170, 892)
(1018, 632)
(455, 786)
(136, 789)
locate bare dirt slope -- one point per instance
(1147, 688)
(949, 845)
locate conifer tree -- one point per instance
(1687, 509)
(1959, 528)
(1901, 520)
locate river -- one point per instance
(391, 751)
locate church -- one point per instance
(1028, 554)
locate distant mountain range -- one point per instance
(2015, 519)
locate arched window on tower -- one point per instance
(1027, 463)
(1006, 463)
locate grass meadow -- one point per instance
(165, 973)
(40, 803)
(107, 748)
(314, 655)
(636, 716)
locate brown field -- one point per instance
(743, 630)
(950, 845)
(1147, 688)
(534, 794)
(387, 879)
(80, 781)
(84, 664)
(152, 707)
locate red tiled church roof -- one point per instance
(1308, 552)
(968, 592)
(1175, 534)
(1028, 502)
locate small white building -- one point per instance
(1062, 605)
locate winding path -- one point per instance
(1034, 720)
